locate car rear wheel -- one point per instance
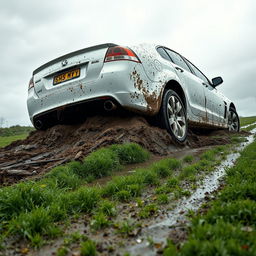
(173, 116)
(233, 121)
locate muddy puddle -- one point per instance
(161, 229)
(42, 150)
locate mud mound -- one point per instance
(44, 149)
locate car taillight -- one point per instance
(31, 83)
(120, 53)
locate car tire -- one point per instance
(233, 121)
(172, 116)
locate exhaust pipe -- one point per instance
(109, 105)
(38, 124)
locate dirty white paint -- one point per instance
(135, 86)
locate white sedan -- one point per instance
(149, 79)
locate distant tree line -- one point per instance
(15, 130)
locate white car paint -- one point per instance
(135, 86)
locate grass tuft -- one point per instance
(148, 211)
(100, 163)
(188, 159)
(163, 199)
(64, 177)
(30, 225)
(123, 196)
(130, 153)
(88, 248)
(23, 197)
(126, 228)
(107, 207)
(82, 200)
(99, 221)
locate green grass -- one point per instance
(164, 168)
(6, 140)
(62, 251)
(99, 221)
(24, 197)
(229, 226)
(247, 120)
(73, 238)
(33, 225)
(130, 153)
(163, 199)
(13, 133)
(83, 199)
(148, 211)
(123, 196)
(107, 207)
(126, 227)
(100, 163)
(249, 128)
(64, 177)
(188, 159)
(62, 193)
(172, 182)
(88, 248)
(163, 189)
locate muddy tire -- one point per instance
(172, 116)
(233, 121)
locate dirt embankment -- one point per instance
(44, 149)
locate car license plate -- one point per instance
(72, 74)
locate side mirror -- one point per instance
(217, 81)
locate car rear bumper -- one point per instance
(123, 81)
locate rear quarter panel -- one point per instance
(160, 72)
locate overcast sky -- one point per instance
(218, 36)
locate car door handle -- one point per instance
(179, 69)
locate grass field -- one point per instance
(247, 120)
(32, 210)
(13, 133)
(37, 211)
(6, 140)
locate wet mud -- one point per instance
(173, 225)
(43, 150)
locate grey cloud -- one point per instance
(217, 36)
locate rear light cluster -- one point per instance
(31, 83)
(120, 53)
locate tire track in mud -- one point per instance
(161, 229)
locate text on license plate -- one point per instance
(66, 76)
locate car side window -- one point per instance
(163, 53)
(197, 72)
(177, 59)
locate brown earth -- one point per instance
(44, 149)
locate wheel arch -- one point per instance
(175, 86)
(232, 105)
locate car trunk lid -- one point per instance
(83, 64)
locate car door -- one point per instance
(192, 85)
(215, 106)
